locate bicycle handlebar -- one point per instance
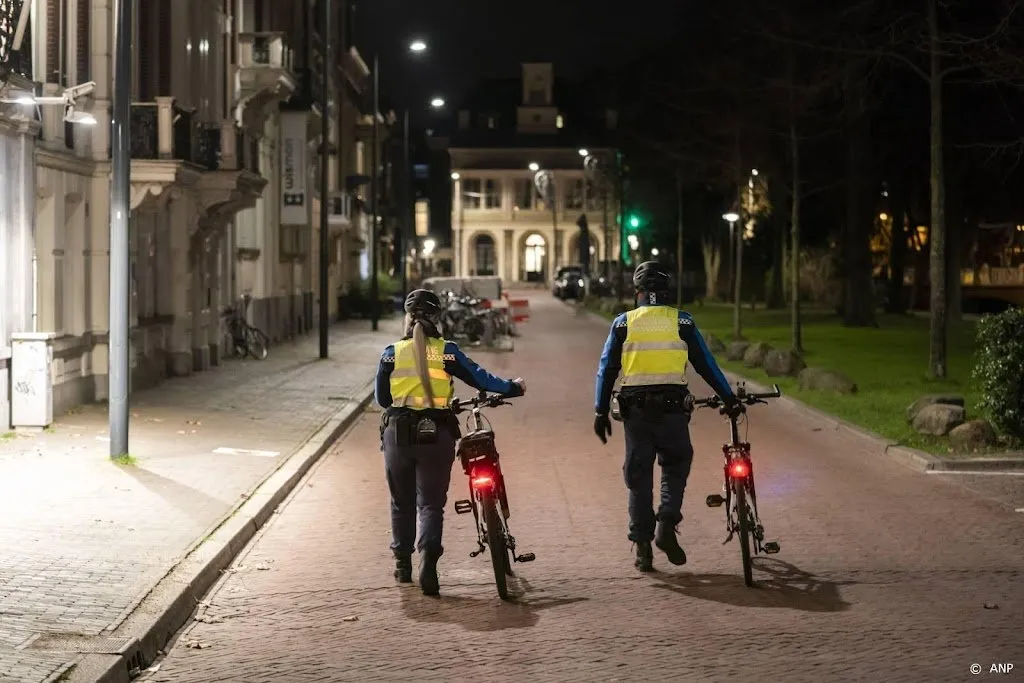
(482, 400)
(742, 395)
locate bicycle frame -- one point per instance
(739, 473)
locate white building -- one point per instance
(502, 224)
(225, 124)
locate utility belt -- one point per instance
(418, 427)
(652, 403)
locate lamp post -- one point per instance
(408, 229)
(324, 164)
(732, 217)
(374, 172)
(545, 184)
(679, 239)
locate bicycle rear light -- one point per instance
(738, 469)
(482, 481)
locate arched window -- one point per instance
(533, 258)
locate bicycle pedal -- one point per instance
(714, 501)
(526, 557)
(771, 547)
(463, 506)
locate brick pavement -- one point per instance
(85, 539)
(885, 574)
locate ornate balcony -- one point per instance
(263, 75)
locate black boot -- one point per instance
(428, 571)
(665, 539)
(403, 568)
(644, 556)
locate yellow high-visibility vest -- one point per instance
(406, 389)
(653, 353)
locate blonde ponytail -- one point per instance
(419, 341)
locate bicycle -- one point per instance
(740, 498)
(246, 338)
(488, 500)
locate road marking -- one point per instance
(245, 451)
(983, 474)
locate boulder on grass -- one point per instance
(971, 436)
(779, 363)
(715, 345)
(938, 419)
(819, 379)
(736, 349)
(931, 400)
(753, 357)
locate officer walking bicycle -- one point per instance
(650, 347)
(419, 431)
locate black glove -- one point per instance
(602, 427)
(734, 407)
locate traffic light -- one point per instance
(633, 222)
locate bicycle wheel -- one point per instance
(257, 343)
(742, 511)
(496, 541)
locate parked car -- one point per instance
(569, 283)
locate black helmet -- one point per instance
(423, 304)
(651, 276)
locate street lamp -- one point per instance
(455, 176)
(634, 242)
(437, 102)
(428, 247)
(732, 217)
(655, 252)
(67, 98)
(534, 167)
(417, 46)
(584, 152)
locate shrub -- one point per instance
(999, 370)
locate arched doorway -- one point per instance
(535, 258)
(485, 256)
(595, 251)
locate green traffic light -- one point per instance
(634, 222)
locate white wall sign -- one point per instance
(294, 169)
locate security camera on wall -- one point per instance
(80, 90)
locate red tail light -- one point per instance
(738, 469)
(482, 482)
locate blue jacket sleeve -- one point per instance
(701, 359)
(609, 366)
(382, 390)
(458, 364)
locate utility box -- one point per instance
(32, 379)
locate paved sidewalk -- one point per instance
(84, 539)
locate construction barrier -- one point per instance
(519, 309)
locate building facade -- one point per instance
(225, 131)
(508, 222)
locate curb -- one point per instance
(171, 602)
(911, 457)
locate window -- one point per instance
(485, 255)
(471, 193)
(595, 200)
(574, 195)
(524, 194)
(559, 122)
(533, 258)
(492, 194)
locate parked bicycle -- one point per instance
(246, 339)
(740, 498)
(488, 500)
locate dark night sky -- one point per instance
(471, 41)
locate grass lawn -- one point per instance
(888, 364)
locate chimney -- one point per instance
(463, 119)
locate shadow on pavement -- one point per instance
(787, 586)
(190, 501)
(484, 613)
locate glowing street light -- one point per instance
(534, 167)
(655, 252)
(437, 102)
(634, 242)
(731, 217)
(584, 152)
(417, 46)
(455, 176)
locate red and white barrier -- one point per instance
(519, 309)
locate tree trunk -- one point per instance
(859, 295)
(794, 247)
(712, 266)
(937, 235)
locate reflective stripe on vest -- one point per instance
(653, 353)
(406, 389)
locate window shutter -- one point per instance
(53, 35)
(82, 48)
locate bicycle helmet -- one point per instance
(651, 276)
(422, 304)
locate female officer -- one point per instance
(419, 431)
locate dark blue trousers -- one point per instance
(418, 477)
(668, 441)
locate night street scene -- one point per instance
(535, 342)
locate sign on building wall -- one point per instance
(294, 169)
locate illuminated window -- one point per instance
(559, 121)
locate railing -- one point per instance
(264, 49)
(308, 91)
(162, 130)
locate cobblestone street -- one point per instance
(84, 538)
(885, 573)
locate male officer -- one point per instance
(651, 345)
